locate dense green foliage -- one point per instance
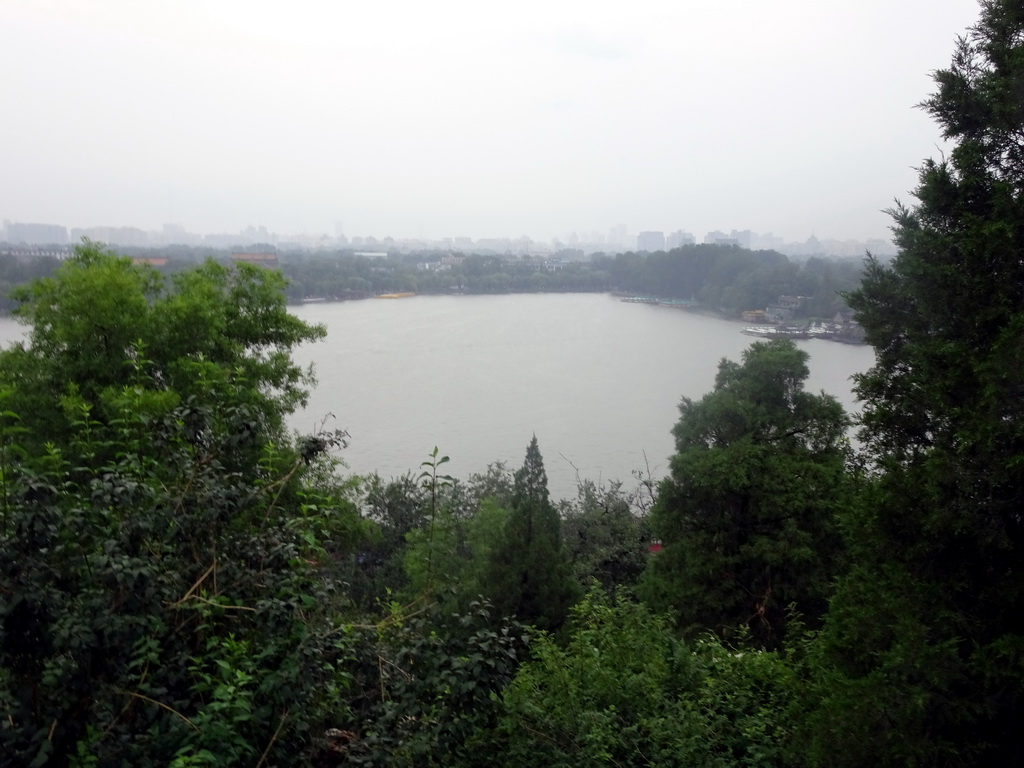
(397, 509)
(426, 683)
(926, 633)
(607, 536)
(748, 515)
(161, 560)
(163, 605)
(102, 327)
(456, 554)
(624, 691)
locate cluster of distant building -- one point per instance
(617, 240)
(17, 233)
(650, 242)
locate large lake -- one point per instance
(597, 379)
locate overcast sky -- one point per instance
(447, 118)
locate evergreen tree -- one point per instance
(926, 634)
(747, 516)
(530, 576)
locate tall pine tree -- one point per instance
(530, 576)
(926, 634)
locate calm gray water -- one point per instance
(597, 379)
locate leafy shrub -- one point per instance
(625, 692)
(428, 682)
(161, 608)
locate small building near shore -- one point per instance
(787, 308)
(153, 261)
(268, 260)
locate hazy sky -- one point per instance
(469, 118)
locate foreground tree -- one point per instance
(747, 517)
(165, 593)
(926, 635)
(529, 576)
(101, 326)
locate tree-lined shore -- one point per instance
(724, 279)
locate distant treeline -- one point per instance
(14, 272)
(728, 279)
(725, 278)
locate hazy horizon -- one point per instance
(458, 119)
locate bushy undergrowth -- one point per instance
(625, 691)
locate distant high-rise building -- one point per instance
(766, 242)
(493, 245)
(222, 240)
(618, 235)
(125, 236)
(17, 233)
(650, 241)
(175, 234)
(717, 237)
(257, 235)
(678, 239)
(742, 237)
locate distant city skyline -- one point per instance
(460, 119)
(618, 238)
